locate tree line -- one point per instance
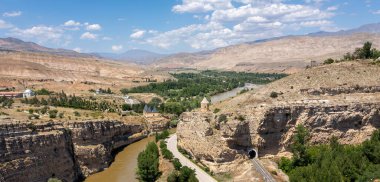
(334, 161)
(364, 52)
(6, 102)
(186, 91)
(71, 101)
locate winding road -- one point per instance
(200, 174)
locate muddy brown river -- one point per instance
(125, 164)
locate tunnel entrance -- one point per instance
(252, 153)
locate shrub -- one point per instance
(173, 177)
(177, 164)
(76, 113)
(43, 91)
(222, 118)
(285, 164)
(44, 110)
(61, 115)
(31, 111)
(216, 110)
(241, 118)
(53, 113)
(173, 123)
(328, 61)
(167, 154)
(163, 145)
(163, 135)
(273, 95)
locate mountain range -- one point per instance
(278, 54)
(134, 55)
(13, 44)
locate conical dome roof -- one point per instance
(205, 101)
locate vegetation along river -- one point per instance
(125, 164)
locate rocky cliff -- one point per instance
(68, 151)
(347, 105)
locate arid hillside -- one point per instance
(36, 70)
(289, 54)
(341, 99)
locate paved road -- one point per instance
(201, 175)
(260, 168)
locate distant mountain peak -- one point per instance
(139, 56)
(368, 28)
(15, 44)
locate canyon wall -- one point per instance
(270, 129)
(68, 151)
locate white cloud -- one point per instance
(77, 49)
(40, 33)
(319, 23)
(94, 27)
(89, 36)
(106, 38)
(229, 23)
(315, 1)
(72, 23)
(197, 6)
(12, 14)
(137, 34)
(332, 8)
(5, 25)
(117, 48)
(376, 12)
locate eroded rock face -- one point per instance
(270, 129)
(198, 135)
(95, 141)
(67, 151)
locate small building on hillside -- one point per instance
(11, 94)
(205, 105)
(27, 93)
(150, 111)
(130, 101)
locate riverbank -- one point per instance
(124, 166)
(232, 93)
(69, 151)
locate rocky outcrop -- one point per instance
(95, 141)
(68, 151)
(341, 90)
(270, 129)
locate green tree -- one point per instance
(187, 175)
(173, 177)
(371, 147)
(177, 164)
(148, 163)
(367, 53)
(299, 146)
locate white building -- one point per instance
(27, 93)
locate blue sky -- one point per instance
(169, 26)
